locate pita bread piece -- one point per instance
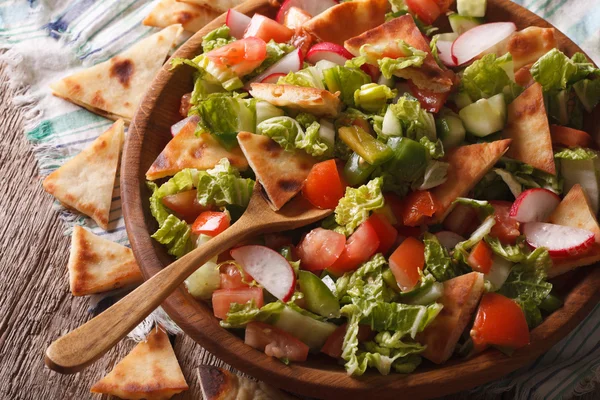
(186, 150)
(150, 371)
(429, 75)
(168, 12)
(526, 46)
(314, 101)
(218, 6)
(99, 265)
(115, 87)
(281, 173)
(468, 164)
(346, 20)
(523, 76)
(460, 299)
(86, 181)
(527, 125)
(220, 384)
(560, 266)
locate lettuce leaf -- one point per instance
(222, 185)
(577, 153)
(203, 88)
(240, 314)
(275, 52)
(484, 208)
(353, 209)
(588, 92)
(216, 38)
(438, 262)
(515, 253)
(176, 235)
(304, 78)
(435, 174)
(530, 177)
(555, 71)
(373, 97)
(435, 148)
(461, 250)
(374, 54)
(288, 133)
(488, 77)
(346, 81)
(415, 122)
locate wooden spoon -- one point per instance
(77, 349)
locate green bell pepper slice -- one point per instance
(409, 160)
(370, 149)
(357, 170)
(317, 295)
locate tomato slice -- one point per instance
(501, 322)
(211, 223)
(569, 137)
(320, 248)
(185, 205)
(223, 298)
(406, 262)
(231, 277)
(268, 29)
(241, 56)
(335, 341)
(426, 10)
(275, 342)
(323, 187)
(480, 258)
(506, 229)
(418, 206)
(430, 101)
(360, 246)
(386, 233)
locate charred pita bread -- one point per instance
(219, 6)
(460, 299)
(429, 75)
(346, 20)
(560, 266)
(315, 101)
(150, 371)
(85, 182)
(98, 265)
(168, 12)
(281, 173)
(468, 164)
(527, 125)
(220, 384)
(526, 46)
(115, 87)
(186, 150)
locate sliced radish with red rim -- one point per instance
(445, 53)
(273, 78)
(534, 205)
(475, 41)
(312, 7)
(237, 23)
(328, 51)
(291, 62)
(560, 240)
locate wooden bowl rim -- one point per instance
(332, 382)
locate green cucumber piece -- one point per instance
(317, 295)
(391, 125)
(308, 330)
(266, 110)
(462, 99)
(461, 23)
(485, 116)
(450, 130)
(471, 8)
(587, 174)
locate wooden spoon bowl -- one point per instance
(320, 376)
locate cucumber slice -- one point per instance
(587, 174)
(498, 273)
(450, 130)
(462, 99)
(319, 299)
(266, 110)
(471, 8)
(205, 280)
(310, 331)
(485, 116)
(327, 132)
(391, 125)
(461, 23)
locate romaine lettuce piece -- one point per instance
(353, 209)
(308, 77)
(216, 38)
(588, 92)
(275, 52)
(346, 81)
(575, 154)
(373, 97)
(489, 76)
(288, 133)
(176, 235)
(373, 54)
(555, 71)
(438, 262)
(223, 185)
(240, 314)
(415, 121)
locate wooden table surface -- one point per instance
(36, 305)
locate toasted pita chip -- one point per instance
(219, 6)
(523, 76)
(468, 164)
(190, 16)
(347, 20)
(526, 46)
(575, 210)
(220, 384)
(98, 265)
(562, 265)
(86, 181)
(460, 298)
(429, 75)
(280, 172)
(115, 87)
(186, 150)
(315, 101)
(527, 125)
(150, 371)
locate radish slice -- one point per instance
(534, 205)
(312, 7)
(273, 78)
(237, 23)
(269, 268)
(328, 51)
(445, 53)
(291, 62)
(176, 128)
(559, 240)
(449, 239)
(474, 41)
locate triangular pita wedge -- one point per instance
(526, 46)
(346, 20)
(219, 6)
(460, 299)
(115, 87)
(527, 125)
(281, 173)
(150, 371)
(190, 16)
(86, 181)
(429, 75)
(468, 164)
(186, 150)
(560, 266)
(311, 100)
(220, 384)
(99, 265)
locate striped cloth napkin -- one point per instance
(48, 39)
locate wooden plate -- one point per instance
(320, 376)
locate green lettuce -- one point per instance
(353, 209)
(555, 71)
(435, 148)
(222, 185)
(484, 208)
(576, 154)
(275, 52)
(203, 88)
(438, 262)
(176, 235)
(346, 81)
(435, 174)
(240, 314)
(515, 253)
(216, 38)
(373, 97)
(415, 122)
(403, 358)
(588, 92)
(304, 77)
(372, 54)
(489, 76)
(461, 250)
(531, 177)
(288, 133)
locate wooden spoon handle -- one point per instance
(79, 348)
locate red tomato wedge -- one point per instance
(335, 341)
(426, 10)
(241, 56)
(418, 206)
(267, 29)
(506, 229)
(185, 205)
(501, 322)
(323, 187)
(210, 223)
(481, 258)
(569, 137)
(231, 277)
(320, 248)
(360, 246)
(386, 233)
(430, 101)
(275, 342)
(406, 262)
(223, 298)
